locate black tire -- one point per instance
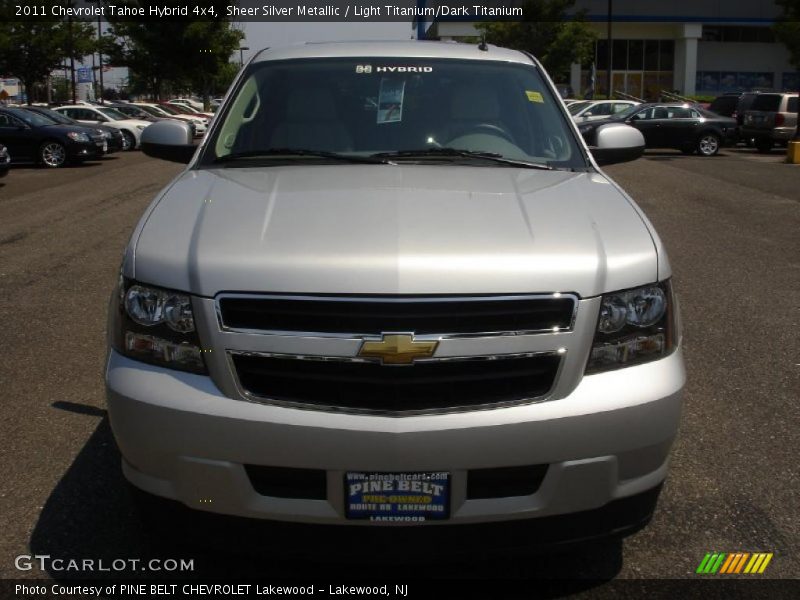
(52, 154)
(764, 145)
(708, 144)
(128, 141)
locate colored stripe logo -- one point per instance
(732, 563)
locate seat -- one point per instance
(311, 121)
(471, 106)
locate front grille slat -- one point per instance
(373, 316)
(372, 387)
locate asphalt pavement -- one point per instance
(730, 224)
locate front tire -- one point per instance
(708, 144)
(53, 154)
(128, 141)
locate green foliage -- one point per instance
(30, 50)
(548, 33)
(172, 54)
(787, 29)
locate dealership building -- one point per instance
(704, 47)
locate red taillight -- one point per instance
(779, 119)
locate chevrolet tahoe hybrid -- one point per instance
(393, 288)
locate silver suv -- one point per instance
(393, 287)
(772, 119)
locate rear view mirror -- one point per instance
(617, 143)
(169, 140)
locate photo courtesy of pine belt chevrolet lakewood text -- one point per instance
(394, 288)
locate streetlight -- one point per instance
(241, 55)
(99, 51)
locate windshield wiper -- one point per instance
(455, 152)
(295, 152)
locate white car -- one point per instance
(591, 110)
(102, 115)
(189, 102)
(200, 123)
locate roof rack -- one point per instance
(625, 96)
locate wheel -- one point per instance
(708, 144)
(53, 154)
(128, 141)
(763, 145)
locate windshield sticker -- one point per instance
(534, 96)
(390, 100)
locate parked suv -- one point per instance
(393, 287)
(772, 119)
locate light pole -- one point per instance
(609, 52)
(99, 49)
(241, 55)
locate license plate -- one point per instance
(398, 497)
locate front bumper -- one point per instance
(181, 438)
(83, 150)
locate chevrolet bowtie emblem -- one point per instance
(398, 349)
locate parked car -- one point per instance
(185, 109)
(131, 129)
(725, 105)
(31, 137)
(147, 113)
(169, 111)
(196, 104)
(592, 110)
(5, 161)
(113, 136)
(672, 125)
(420, 302)
(772, 119)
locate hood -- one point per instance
(367, 229)
(64, 129)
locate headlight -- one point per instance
(633, 327)
(140, 127)
(155, 325)
(78, 137)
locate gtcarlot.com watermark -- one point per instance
(45, 562)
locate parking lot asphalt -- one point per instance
(730, 224)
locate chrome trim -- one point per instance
(394, 299)
(256, 399)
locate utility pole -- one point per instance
(100, 56)
(72, 61)
(609, 51)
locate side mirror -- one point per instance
(169, 140)
(617, 143)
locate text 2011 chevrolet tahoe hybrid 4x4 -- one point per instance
(392, 288)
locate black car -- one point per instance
(112, 135)
(685, 127)
(5, 161)
(31, 137)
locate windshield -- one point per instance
(577, 106)
(371, 106)
(150, 110)
(112, 114)
(31, 118)
(167, 109)
(55, 116)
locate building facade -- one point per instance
(702, 47)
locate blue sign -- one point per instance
(84, 75)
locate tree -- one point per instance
(175, 53)
(547, 32)
(787, 30)
(31, 50)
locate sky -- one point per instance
(262, 35)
